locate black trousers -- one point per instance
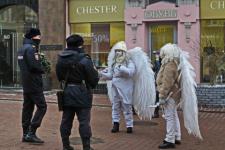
(83, 115)
(30, 100)
(157, 100)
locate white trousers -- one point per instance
(172, 122)
(117, 106)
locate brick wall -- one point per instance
(211, 95)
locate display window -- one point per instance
(212, 51)
(161, 34)
(99, 39)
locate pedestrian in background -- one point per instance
(76, 68)
(31, 72)
(156, 69)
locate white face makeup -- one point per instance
(120, 56)
(119, 53)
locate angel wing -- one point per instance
(189, 103)
(144, 90)
(109, 82)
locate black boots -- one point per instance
(178, 142)
(68, 148)
(129, 130)
(86, 144)
(115, 127)
(166, 145)
(25, 131)
(31, 137)
(66, 144)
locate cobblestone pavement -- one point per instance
(147, 134)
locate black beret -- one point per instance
(74, 40)
(32, 32)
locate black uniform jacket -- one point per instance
(78, 70)
(30, 67)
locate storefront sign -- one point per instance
(160, 14)
(51, 47)
(110, 9)
(217, 4)
(211, 9)
(96, 10)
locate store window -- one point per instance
(99, 38)
(14, 21)
(212, 51)
(160, 34)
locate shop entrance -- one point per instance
(8, 61)
(160, 34)
(14, 21)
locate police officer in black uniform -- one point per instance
(31, 72)
(76, 68)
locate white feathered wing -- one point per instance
(189, 102)
(109, 82)
(144, 94)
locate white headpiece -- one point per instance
(169, 52)
(120, 46)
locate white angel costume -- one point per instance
(176, 86)
(131, 83)
(121, 73)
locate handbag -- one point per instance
(60, 93)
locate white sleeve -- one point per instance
(129, 70)
(106, 74)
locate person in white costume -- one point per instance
(121, 73)
(131, 82)
(176, 86)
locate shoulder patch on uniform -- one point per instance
(20, 57)
(36, 55)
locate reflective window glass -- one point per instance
(99, 38)
(14, 21)
(212, 51)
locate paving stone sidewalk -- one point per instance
(147, 134)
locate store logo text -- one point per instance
(217, 5)
(160, 14)
(97, 9)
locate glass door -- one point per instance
(160, 34)
(9, 70)
(14, 21)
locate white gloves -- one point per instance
(124, 70)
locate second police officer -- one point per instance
(76, 68)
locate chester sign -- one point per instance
(83, 11)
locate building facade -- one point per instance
(196, 26)
(16, 16)
(151, 24)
